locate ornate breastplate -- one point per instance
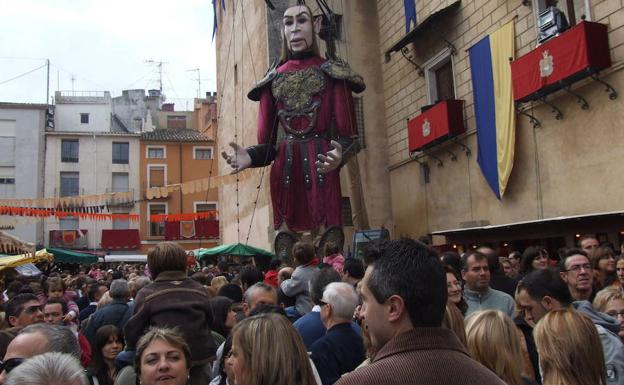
(297, 91)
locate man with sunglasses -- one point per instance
(23, 310)
(38, 339)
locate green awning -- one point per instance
(69, 256)
(233, 249)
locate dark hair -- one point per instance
(478, 256)
(265, 308)
(584, 237)
(354, 267)
(166, 256)
(63, 303)
(320, 279)
(602, 252)
(570, 253)
(452, 259)
(275, 264)
(331, 248)
(413, 271)
(93, 291)
(221, 307)
(53, 281)
(223, 266)
(546, 282)
(303, 252)
(529, 254)
(462, 305)
(100, 369)
(232, 291)
(227, 347)
(250, 275)
(15, 306)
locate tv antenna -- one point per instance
(198, 81)
(159, 64)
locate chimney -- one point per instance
(168, 107)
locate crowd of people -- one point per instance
(405, 314)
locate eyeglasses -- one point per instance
(11, 364)
(577, 268)
(616, 314)
(33, 309)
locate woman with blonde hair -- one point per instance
(492, 340)
(570, 352)
(611, 302)
(253, 337)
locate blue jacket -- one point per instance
(115, 313)
(340, 351)
(490, 299)
(311, 328)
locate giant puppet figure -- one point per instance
(306, 128)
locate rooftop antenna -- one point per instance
(160, 66)
(198, 81)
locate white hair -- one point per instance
(48, 369)
(343, 299)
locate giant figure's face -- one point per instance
(298, 29)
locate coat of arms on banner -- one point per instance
(187, 229)
(546, 64)
(426, 128)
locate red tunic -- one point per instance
(303, 208)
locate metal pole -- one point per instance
(48, 82)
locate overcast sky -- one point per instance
(104, 46)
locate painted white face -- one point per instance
(298, 29)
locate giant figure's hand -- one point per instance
(239, 160)
(331, 161)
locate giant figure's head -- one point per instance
(299, 30)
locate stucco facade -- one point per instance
(21, 160)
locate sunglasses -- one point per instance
(11, 364)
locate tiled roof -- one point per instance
(175, 135)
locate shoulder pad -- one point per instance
(339, 69)
(254, 94)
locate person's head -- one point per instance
(338, 303)
(253, 337)
(231, 291)
(108, 343)
(542, 291)
(492, 340)
(404, 288)
(259, 294)
(96, 291)
(476, 271)
(105, 300)
(353, 270)
(139, 284)
(162, 354)
(55, 287)
(331, 248)
(23, 310)
(452, 259)
(218, 282)
(507, 267)
(303, 252)
(604, 260)
(299, 31)
(533, 258)
(320, 279)
(558, 337)
(49, 369)
(275, 264)
(54, 311)
(453, 285)
(619, 270)
(588, 243)
(166, 256)
(224, 317)
(576, 271)
(119, 290)
(514, 257)
(223, 266)
(611, 301)
(250, 275)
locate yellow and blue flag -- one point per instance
(494, 106)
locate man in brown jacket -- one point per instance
(404, 297)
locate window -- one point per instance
(202, 207)
(69, 223)
(69, 150)
(347, 213)
(121, 224)
(157, 229)
(120, 153)
(156, 153)
(120, 182)
(574, 10)
(84, 118)
(176, 121)
(7, 180)
(70, 184)
(156, 175)
(138, 124)
(439, 77)
(202, 152)
(7, 175)
(358, 104)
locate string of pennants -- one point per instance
(64, 203)
(200, 185)
(46, 213)
(183, 217)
